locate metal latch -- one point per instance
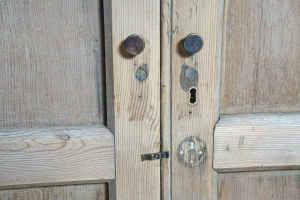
(155, 156)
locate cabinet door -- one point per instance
(247, 74)
(52, 101)
(247, 68)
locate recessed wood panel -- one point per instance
(74, 192)
(260, 63)
(51, 63)
(272, 185)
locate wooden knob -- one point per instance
(193, 43)
(134, 44)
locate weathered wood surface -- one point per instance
(136, 104)
(56, 155)
(165, 96)
(51, 63)
(260, 71)
(192, 125)
(51, 71)
(110, 109)
(71, 192)
(257, 142)
(271, 185)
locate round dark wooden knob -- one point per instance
(134, 44)
(193, 43)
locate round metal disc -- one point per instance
(193, 43)
(190, 73)
(134, 44)
(141, 75)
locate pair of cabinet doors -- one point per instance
(232, 129)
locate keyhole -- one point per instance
(193, 96)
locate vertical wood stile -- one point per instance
(165, 59)
(193, 181)
(136, 104)
(107, 8)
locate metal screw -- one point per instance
(193, 43)
(192, 145)
(200, 152)
(191, 161)
(190, 73)
(181, 152)
(134, 44)
(141, 75)
(156, 156)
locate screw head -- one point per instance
(193, 43)
(191, 161)
(200, 152)
(190, 73)
(181, 152)
(134, 44)
(156, 156)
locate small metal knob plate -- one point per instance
(190, 73)
(141, 75)
(134, 44)
(193, 43)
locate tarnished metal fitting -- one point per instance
(142, 72)
(193, 43)
(190, 73)
(134, 44)
(155, 156)
(141, 75)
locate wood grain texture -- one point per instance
(272, 185)
(71, 192)
(51, 63)
(257, 142)
(136, 104)
(192, 125)
(260, 71)
(165, 95)
(107, 12)
(57, 155)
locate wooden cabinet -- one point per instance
(69, 94)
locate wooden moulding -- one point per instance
(56, 156)
(257, 142)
